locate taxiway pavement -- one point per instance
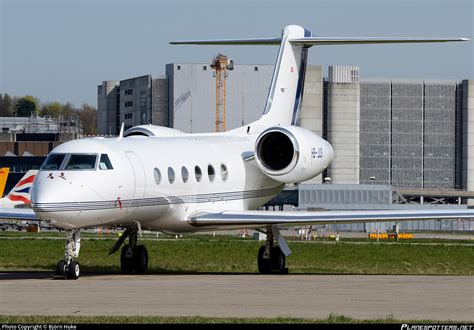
(309, 296)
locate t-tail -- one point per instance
(285, 97)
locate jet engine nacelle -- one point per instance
(292, 154)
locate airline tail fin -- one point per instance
(286, 90)
(4, 171)
(20, 196)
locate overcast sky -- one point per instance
(60, 50)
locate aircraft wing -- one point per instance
(255, 219)
(18, 214)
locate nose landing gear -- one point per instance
(69, 268)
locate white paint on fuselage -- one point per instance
(78, 192)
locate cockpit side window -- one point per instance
(53, 162)
(81, 162)
(104, 163)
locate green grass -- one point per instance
(152, 235)
(202, 254)
(71, 319)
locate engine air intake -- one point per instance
(275, 150)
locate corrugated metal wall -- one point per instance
(439, 140)
(375, 132)
(407, 133)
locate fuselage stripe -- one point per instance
(156, 201)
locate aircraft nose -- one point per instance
(56, 198)
(45, 188)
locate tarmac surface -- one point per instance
(439, 298)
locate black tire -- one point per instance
(126, 262)
(61, 269)
(73, 271)
(277, 260)
(264, 265)
(140, 259)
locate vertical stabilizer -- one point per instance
(4, 171)
(20, 195)
(286, 90)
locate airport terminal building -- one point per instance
(413, 138)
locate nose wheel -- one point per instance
(68, 268)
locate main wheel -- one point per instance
(61, 269)
(277, 260)
(264, 265)
(73, 271)
(140, 259)
(126, 260)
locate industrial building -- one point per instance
(409, 137)
(26, 141)
(405, 133)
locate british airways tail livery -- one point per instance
(20, 196)
(162, 179)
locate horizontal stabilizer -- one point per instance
(316, 41)
(254, 41)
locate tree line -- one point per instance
(24, 106)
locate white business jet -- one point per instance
(161, 179)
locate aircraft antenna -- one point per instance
(121, 132)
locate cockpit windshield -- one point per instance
(53, 162)
(81, 162)
(76, 162)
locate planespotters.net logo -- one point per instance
(437, 327)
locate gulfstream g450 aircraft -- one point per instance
(165, 180)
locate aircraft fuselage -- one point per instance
(157, 181)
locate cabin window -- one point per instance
(184, 174)
(53, 162)
(171, 175)
(211, 173)
(198, 173)
(81, 162)
(157, 175)
(104, 163)
(224, 172)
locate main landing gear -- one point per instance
(271, 259)
(69, 268)
(133, 257)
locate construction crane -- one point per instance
(221, 64)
